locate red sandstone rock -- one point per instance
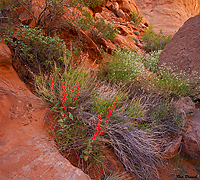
(126, 42)
(121, 14)
(115, 7)
(72, 35)
(124, 30)
(186, 106)
(191, 139)
(168, 15)
(129, 6)
(170, 152)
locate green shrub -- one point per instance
(124, 66)
(92, 3)
(154, 41)
(151, 60)
(38, 53)
(6, 3)
(173, 83)
(136, 17)
(103, 30)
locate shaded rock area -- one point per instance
(168, 15)
(183, 51)
(185, 106)
(191, 139)
(26, 151)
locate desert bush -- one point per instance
(93, 3)
(136, 17)
(6, 3)
(151, 61)
(154, 41)
(124, 66)
(104, 30)
(172, 82)
(39, 54)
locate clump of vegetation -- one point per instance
(151, 61)
(154, 41)
(124, 66)
(173, 83)
(120, 113)
(39, 54)
(136, 17)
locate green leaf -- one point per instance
(60, 121)
(71, 116)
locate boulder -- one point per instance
(121, 14)
(168, 15)
(115, 7)
(183, 50)
(124, 30)
(186, 106)
(107, 45)
(191, 139)
(170, 152)
(129, 6)
(126, 42)
(25, 17)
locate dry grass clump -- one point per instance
(136, 149)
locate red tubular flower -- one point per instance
(75, 89)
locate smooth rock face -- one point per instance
(26, 150)
(184, 48)
(168, 15)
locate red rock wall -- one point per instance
(168, 15)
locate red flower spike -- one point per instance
(101, 133)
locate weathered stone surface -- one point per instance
(129, 7)
(124, 30)
(115, 7)
(26, 150)
(126, 42)
(183, 51)
(168, 15)
(25, 18)
(72, 35)
(191, 139)
(186, 106)
(170, 152)
(121, 14)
